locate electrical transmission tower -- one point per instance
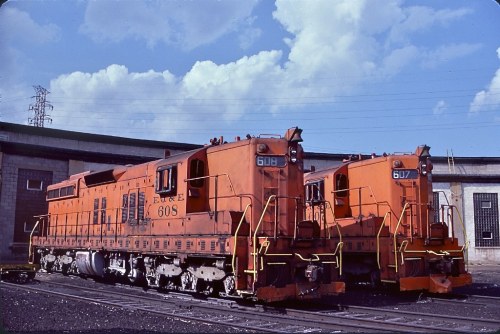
(38, 108)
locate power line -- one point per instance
(38, 108)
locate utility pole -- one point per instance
(38, 108)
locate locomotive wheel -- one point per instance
(74, 268)
(209, 289)
(375, 279)
(65, 268)
(45, 267)
(187, 281)
(229, 285)
(162, 282)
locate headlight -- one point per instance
(423, 169)
(293, 154)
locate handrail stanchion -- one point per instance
(30, 259)
(378, 239)
(395, 234)
(233, 261)
(255, 264)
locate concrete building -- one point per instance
(31, 158)
(472, 185)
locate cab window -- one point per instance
(166, 180)
(315, 191)
(196, 173)
(341, 185)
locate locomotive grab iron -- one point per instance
(226, 218)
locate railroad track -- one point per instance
(473, 300)
(264, 318)
(209, 310)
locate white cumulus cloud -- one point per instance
(22, 28)
(113, 98)
(417, 19)
(446, 53)
(333, 47)
(186, 24)
(440, 108)
(489, 98)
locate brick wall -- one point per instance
(9, 172)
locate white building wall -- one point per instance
(444, 198)
(462, 197)
(478, 255)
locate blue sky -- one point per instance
(357, 76)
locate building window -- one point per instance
(487, 235)
(485, 205)
(34, 184)
(486, 220)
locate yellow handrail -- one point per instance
(340, 246)
(335, 220)
(340, 243)
(464, 230)
(255, 264)
(316, 258)
(466, 242)
(338, 250)
(236, 238)
(31, 236)
(465, 247)
(378, 239)
(395, 234)
(402, 249)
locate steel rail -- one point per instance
(268, 318)
(449, 323)
(255, 317)
(469, 300)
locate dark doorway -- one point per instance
(30, 200)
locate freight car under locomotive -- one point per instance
(226, 218)
(391, 232)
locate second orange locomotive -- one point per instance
(382, 209)
(225, 218)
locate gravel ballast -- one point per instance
(38, 312)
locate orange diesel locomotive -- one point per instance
(225, 218)
(389, 228)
